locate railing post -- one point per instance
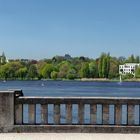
(118, 114)
(69, 113)
(56, 114)
(81, 113)
(93, 113)
(32, 113)
(130, 112)
(44, 114)
(6, 110)
(105, 114)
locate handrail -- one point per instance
(102, 100)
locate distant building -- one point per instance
(128, 68)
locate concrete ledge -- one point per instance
(68, 136)
(73, 129)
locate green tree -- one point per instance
(54, 75)
(131, 59)
(4, 72)
(137, 59)
(46, 71)
(9, 70)
(92, 69)
(103, 66)
(32, 72)
(71, 74)
(137, 72)
(127, 76)
(84, 72)
(22, 73)
(64, 67)
(113, 69)
(100, 67)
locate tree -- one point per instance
(137, 59)
(40, 65)
(127, 76)
(137, 72)
(121, 60)
(100, 66)
(64, 67)
(54, 75)
(131, 59)
(22, 73)
(46, 71)
(9, 70)
(103, 66)
(32, 72)
(4, 72)
(84, 72)
(92, 69)
(113, 69)
(71, 74)
(108, 65)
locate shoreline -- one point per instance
(82, 80)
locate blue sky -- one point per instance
(45, 28)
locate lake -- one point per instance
(75, 88)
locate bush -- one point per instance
(54, 75)
(127, 76)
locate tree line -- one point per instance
(68, 67)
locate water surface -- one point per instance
(74, 88)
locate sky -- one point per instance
(38, 29)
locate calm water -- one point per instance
(76, 88)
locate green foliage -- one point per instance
(113, 69)
(33, 72)
(22, 73)
(137, 72)
(71, 74)
(127, 76)
(103, 66)
(137, 60)
(9, 70)
(54, 75)
(66, 67)
(92, 69)
(84, 72)
(46, 70)
(133, 59)
(4, 72)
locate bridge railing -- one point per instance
(116, 103)
(110, 110)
